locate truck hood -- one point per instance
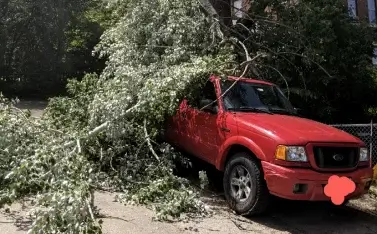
(292, 130)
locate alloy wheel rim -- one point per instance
(240, 183)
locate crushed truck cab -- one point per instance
(250, 131)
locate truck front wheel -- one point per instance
(244, 185)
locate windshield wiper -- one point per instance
(251, 109)
(281, 111)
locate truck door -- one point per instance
(205, 137)
(176, 127)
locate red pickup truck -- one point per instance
(250, 132)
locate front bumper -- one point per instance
(282, 182)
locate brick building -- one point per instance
(363, 9)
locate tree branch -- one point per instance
(234, 83)
(311, 60)
(209, 8)
(149, 141)
(285, 80)
(100, 128)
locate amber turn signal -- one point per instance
(281, 152)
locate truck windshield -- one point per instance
(255, 97)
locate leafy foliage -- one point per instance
(104, 133)
(316, 49)
(72, 111)
(43, 43)
(149, 69)
(35, 163)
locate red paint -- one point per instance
(280, 181)
(211, 136)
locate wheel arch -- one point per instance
(239, 145)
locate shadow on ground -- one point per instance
(14, 219)
(287, 216)
(317, 217)
(22, 222)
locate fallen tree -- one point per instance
(103, 134)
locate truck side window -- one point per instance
(208, 92)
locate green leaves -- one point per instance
(33, 163)
(323, 54)
(43, 43)
(158, 52)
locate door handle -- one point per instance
(225, 129)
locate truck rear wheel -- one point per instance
(244, 185)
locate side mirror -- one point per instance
(208, 105)
(298, 111)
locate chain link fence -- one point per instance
(366, 133)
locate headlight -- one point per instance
(364, 155)
(291, 153)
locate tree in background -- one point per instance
(311, 46)
(42, 43)
(319, 52)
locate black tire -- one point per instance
(258, 200)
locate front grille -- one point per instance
(336, 157)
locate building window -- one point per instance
(352, 8)
(372, 11)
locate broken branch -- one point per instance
(149, 141)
